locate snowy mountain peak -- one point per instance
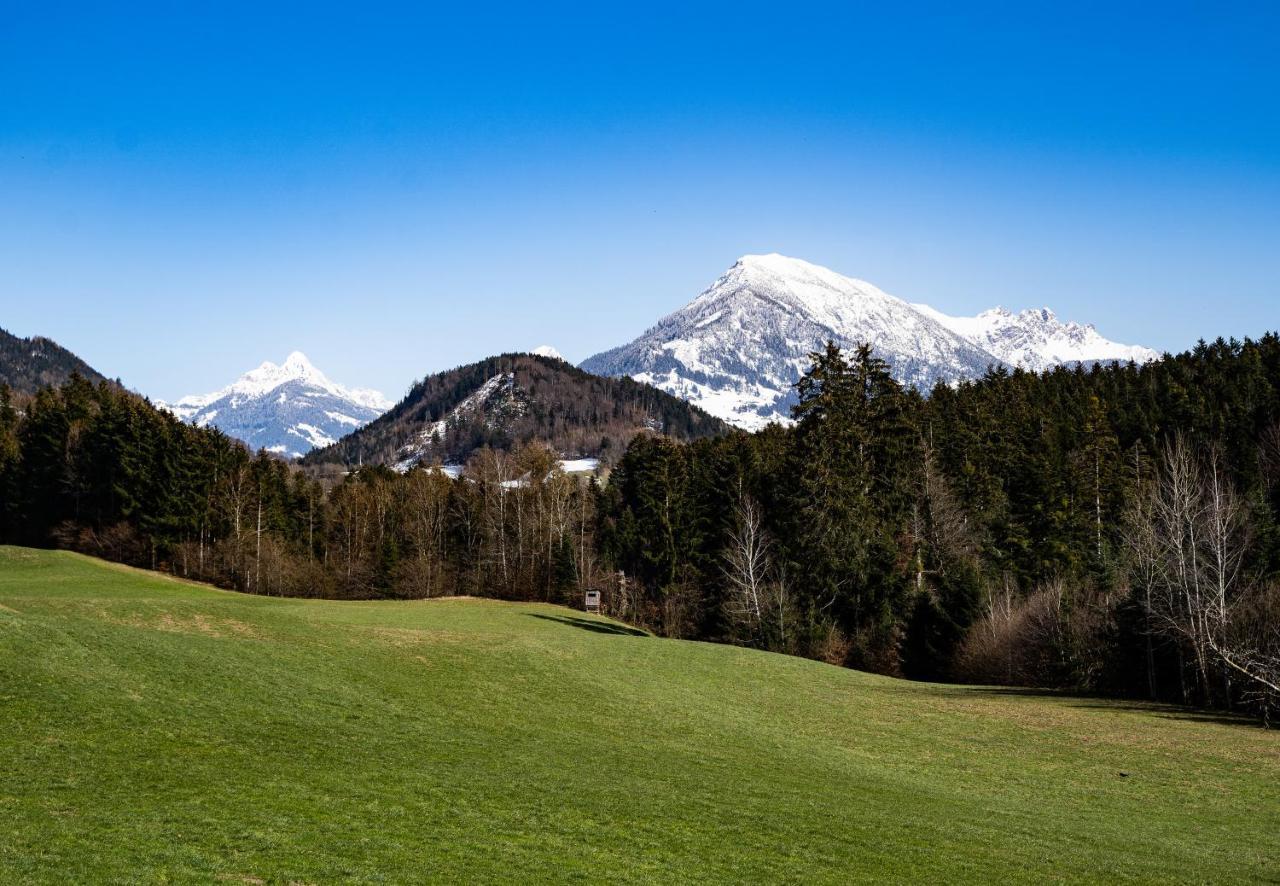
(287, 409)
(269, 376)
(547, 351)
(801, 282)
(782, 265)
(298, 366)
(738, 348)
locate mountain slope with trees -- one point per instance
(28, 364)
(510, 400)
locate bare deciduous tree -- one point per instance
(426, 524)
(758, 601)
(1188, 539)
(746, 565)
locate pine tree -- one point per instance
(851, 493)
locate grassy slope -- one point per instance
(154, 730)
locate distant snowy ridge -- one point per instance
(287, 409)
(738, 348)
(268, 377)
(1037, 340)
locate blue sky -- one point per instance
(396, 190)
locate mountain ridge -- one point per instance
(1035, 339)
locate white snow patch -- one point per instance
(312, 435)
(453, 472)
(343, 419)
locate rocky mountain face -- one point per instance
(512, 399)
(738, 348)
(28, 364)
(288, 409)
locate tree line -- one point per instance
(1110, 529)
(97, 469)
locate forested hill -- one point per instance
(1112, 530)
(512, 399)
(28, 364)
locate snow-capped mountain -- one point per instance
(287, 409)
(547, 351)
(737, 349)
(1037, 339)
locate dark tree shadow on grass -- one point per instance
(587, 624)
(1103, 703)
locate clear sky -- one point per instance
(397, 190)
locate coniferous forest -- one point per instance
(1108, 530)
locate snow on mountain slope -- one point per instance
(499, 397)
(508, 401)
(738, 348)
(1037, 339)
(287, 409)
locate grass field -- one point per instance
(156, 731)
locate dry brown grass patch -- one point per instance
(172, 623)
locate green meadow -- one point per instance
(157, 731)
